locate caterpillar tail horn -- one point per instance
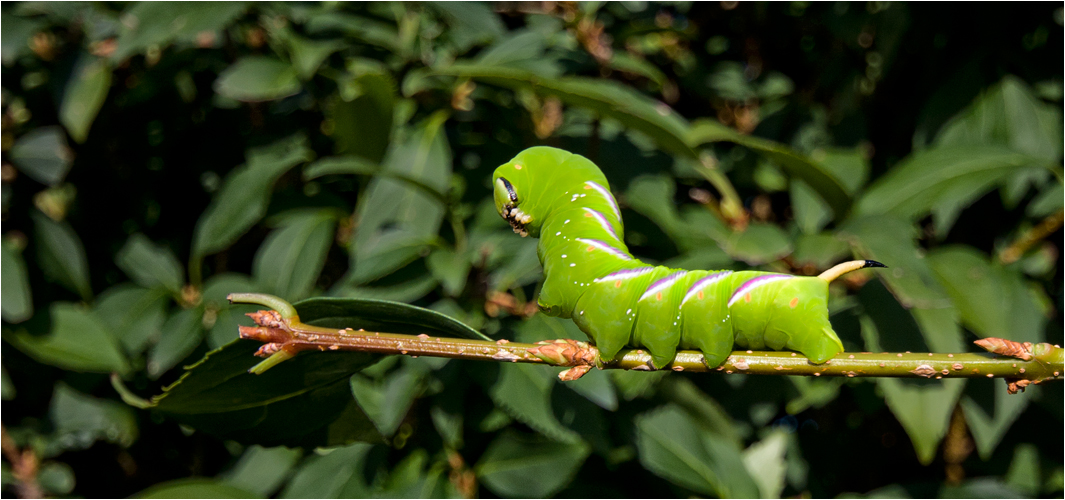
(846, 267)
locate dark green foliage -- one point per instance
(159, 156)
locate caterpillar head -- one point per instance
(528, 188)
(508, 204)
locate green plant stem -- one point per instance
(292, 337)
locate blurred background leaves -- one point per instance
(158, 156)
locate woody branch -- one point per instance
(284, 336)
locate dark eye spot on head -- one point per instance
(510, 190)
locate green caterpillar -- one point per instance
(619, 301)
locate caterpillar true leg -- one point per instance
(591, 277)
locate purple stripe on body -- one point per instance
(606, 194)
(602, 245)
(662, 284)
(625, 274)
(753, 283)
(607, 226)
(698, 286)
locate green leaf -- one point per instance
(77, 342)
(61, 254)
(941, 178)
(85, 93)
(520, 267)
(1009, 115)
(396, 221)
(634, 384)
(405, 291)
(819, 250)
(596, 385)
(524, 392)
(363, 122)
(308, 55)
(262, 470)
(470, 23)
(993, 300)
(384, 316)
(193, 487)
(81, 420)
(43, 155)
(244, 195)
(758, 243)
(811, 212)
(893, 241)
(150, 265)
(923, 407)
(387, 402)
(159, 24)
(182, 333)
(257, 78)
(135, 315)
(6, 386)
(983, 487)
(339, 165)
(289, 261)
(366, 29)
(18, 31)
(1024, 474)
(518, 466)
(706, 412)
(764, 460)
(818, 176)
(414, 477)
(606, 97)
(326, 475)
(672, 446)
(218, 396)
(628, 63)
(16, 300)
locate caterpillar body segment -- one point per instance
(591, 277)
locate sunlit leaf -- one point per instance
(765, 462)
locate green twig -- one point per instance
(1019, 364)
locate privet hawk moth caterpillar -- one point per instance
(619, 301)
